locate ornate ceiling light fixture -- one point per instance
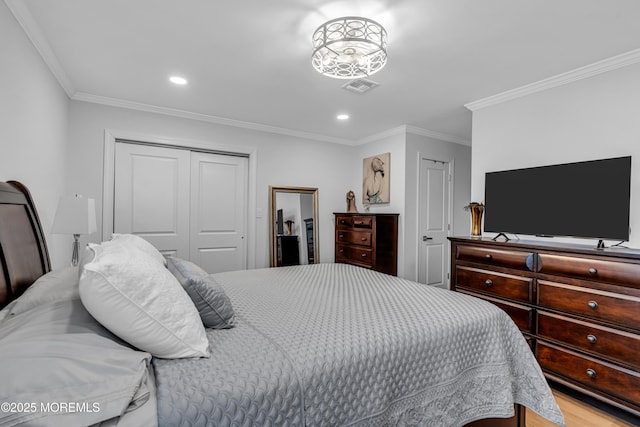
(349, 47)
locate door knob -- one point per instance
(425, 238)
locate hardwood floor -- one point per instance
(580, 414)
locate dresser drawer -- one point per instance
(521, 315)
(600, 270)
(362, 238)
(601, 340)
(589, 372)
(353, 255)
(362, 222)
(367, 240)
(505, 285)
(497, 257)
(344, 222)
(354, 222)
(595, 303)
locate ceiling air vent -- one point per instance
(360, 85)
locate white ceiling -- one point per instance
(248, 61)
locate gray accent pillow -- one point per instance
(209, 298)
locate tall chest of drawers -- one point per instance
(579, 308)
(367, 240)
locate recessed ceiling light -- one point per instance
(342, 117)
(178, 80)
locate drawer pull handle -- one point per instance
(341, 250)
(488, 256)
(364, 239)
(591, 373)
(364, 255)
(341, 236)
(592, 305)
(358, 222)
(488, 282)
(592, 339)
(593, 271)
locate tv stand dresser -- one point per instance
(577, 306)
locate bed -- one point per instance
(316, 345)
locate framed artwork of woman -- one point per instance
(375, 179)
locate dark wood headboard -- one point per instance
(23, 250)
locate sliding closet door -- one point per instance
(218, 211)
(151, 195)
(189, 204)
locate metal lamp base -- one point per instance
(75, 254)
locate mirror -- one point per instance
(294, 225)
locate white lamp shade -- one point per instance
(75, 215)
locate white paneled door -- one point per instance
(218, 211)
(433, 254)
(188, 204)
(151, 197)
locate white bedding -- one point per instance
(327, 344)
(333, 344)
(58, 366)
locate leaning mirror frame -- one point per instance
(310, 244)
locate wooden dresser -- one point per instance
(368, 240)
(579, 308)
(288, 252)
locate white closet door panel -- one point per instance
(152, 195)
(218, 211)
(433, 205)
(155, 195)
(215, 260)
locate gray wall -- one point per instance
(459, 156)
(33, 128)
(56, 147)
(592, 118)
(406, 149)
(281, 161)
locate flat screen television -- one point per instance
(588, 199)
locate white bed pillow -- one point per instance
(56, 285)
(140, 301)
(141, 244)
(5, 313)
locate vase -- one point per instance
(289, 225)
(477, 210)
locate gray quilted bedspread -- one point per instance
(337, 345)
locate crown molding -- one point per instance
(25, 19)
(437, 135)
(114, 102)
(404, 129)
(400, 130)
(22, 14)
(609, 64)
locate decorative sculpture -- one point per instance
(351, 202)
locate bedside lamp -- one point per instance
(75, 215)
